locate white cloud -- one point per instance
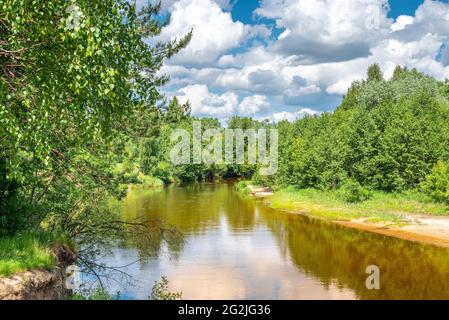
(166, 4)
(327, 30)
(401, 22)
(290, 116)
(326, 45)
(340, 87)
(253, 104)
(204, 102)
(252, 57)
(214, 31)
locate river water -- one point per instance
(238, 248)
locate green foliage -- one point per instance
(193, 172)
(96, 61)
(374, 73)
(386, 135)
(80, 117)
(437, 182)
(94, 294)
(351, 191)
(24, 252)
(161, 291)
(73, 99)
(381, 206)
(243, 187)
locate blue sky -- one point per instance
(243, 9)
(282, 59)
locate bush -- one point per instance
(160, 291)
(352, 191)
(96, 293)
(149, 181)
(437, 183)
(242, 186)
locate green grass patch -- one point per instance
(149, 181)
(381, 207)
(243, 187)
(25, 252)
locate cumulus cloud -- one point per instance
(290, 116)
(401, 22)
(166, 4)
(327, 30)
(252, 105)
(325, 45)
(214, 31)
(206, 103)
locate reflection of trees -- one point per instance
(335, 254)
(331, 253)
(159, 234)
(193, 208)
(239, 211)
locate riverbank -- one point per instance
(46, 282)
(408, 216)
(27, 251)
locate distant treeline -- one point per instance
(390, 135)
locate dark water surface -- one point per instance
(236, 248)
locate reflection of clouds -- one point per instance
(298, 286)
(211, 282)
(227, 266)
(221, 265)
(230, 252)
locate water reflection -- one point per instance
(237, 248)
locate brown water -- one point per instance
(238, 248)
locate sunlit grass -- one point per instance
(243, 187)
(24, 252)
(149, 181)
(382, 207)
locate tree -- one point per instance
(374, 73)
(176, 112)
(386, 135)
(436, 184)
(70, 76)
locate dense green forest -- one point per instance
(386, 135)
(82, 118)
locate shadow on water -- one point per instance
(240, 248)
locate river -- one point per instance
(238, 248)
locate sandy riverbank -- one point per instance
(427, 229)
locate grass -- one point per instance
(25, 252)
(243, 187)
(149, 181)
(381, 207)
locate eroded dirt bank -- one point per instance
(40, 284)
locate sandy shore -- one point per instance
(420, 228)
(425, 229)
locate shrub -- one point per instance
(161, 291)
(352, 191)
(437, 182)
(242, 186)
(95, 293)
